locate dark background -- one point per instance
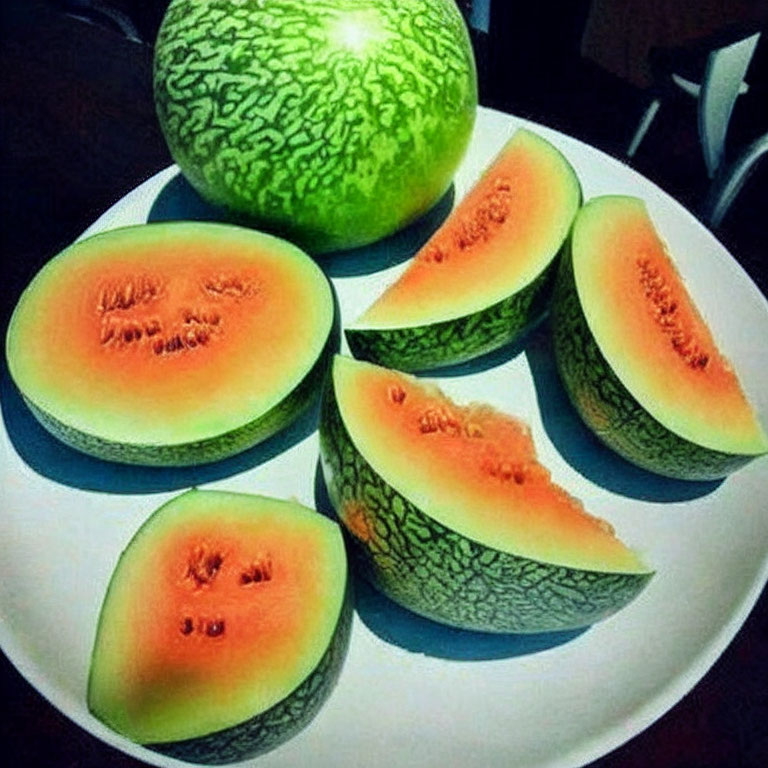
(78, 130)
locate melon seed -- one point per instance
(260, 571)
(203, 566)
(129, 293)
(665, 312)
(439, 419)
(214, 628)
(473, 430)
(187, 626)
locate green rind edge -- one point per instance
(280, 722)
(458, 340)
(198, 451)
(444, 576)
(608, 408)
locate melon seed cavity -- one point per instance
(169, 331)
(259, 571)
(202, 626)
(664, 309)
(506, 471)
(478, 225)
(203, 566)
(129, 293)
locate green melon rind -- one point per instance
(331, 161)
(444, 576)
(195, 452)
(458, 340)
(608, 408)
(280, 722)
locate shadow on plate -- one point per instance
(582, 449)
(405, 629)
(53, 459)
(177, 200)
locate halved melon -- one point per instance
(174, 343)
(224, 627)
(451, 515)
(637, 358)
(486, 274)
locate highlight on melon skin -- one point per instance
(224, 627)
(333, 122)
(644, 371)
(171, 344)
(449, 513)
(485, 276)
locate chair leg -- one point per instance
(643, 126)
(730, 180)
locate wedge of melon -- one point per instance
(175, 343)
(450, 514)
(486, 274)
(637, 358)
(224, 627)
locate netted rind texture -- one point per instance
(333, 123)
(608, 408)
(214, 448)
(280, 722)
(447, 577)
(450, 342)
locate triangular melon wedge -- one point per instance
(224, 626)
(450, 514)
(637, 358)
(486, 274)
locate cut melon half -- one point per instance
(450, 514)
(485, 275)
(175, 343)
(636, 357)
(224, 626)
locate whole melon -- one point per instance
(333, 123)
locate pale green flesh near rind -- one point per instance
(450, 578)
(281, 722)
(249, 728)
(215, 448)
(587, 250)
(610, 410)
(317, 120)
(458, 340)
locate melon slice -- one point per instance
(637, 358)
(450, 514)
(224, 627)
(175, 343)
(486, 274)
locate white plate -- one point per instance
(411, 694)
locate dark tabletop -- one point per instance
(78, 131)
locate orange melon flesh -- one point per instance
(471, 468)
(219, 609)
(648, 328)
(508, 227)
(168, 333)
